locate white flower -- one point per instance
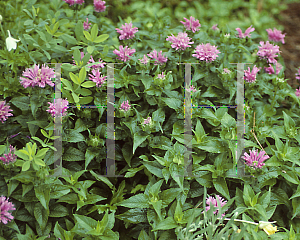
(11, 43)
(1, 18)
(227, 35)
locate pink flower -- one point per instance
(247, 32)
(70, 2)
(226, 70)
(97, 66)
(124, 53)
(81, 57)
(214, 27)
(191, 24)
(254, 160)
(4, 111)
(147, 121)
(125, 106)
(298, 74)
(192, 88)
(275, 35)
(251, 76)
(127, 31)
(206, 52)
(212, 202)
(9, 157)
(80, 2)
(180, 42)
(144, 60)
(159, 59)
(99, 5)
(97, 78)
(268, 51)
(161, 76)
(63, 107)
(37, 76)
(297, 92)
(86, 25)
(5, 206)
(270, 69)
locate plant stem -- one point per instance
(274, 97)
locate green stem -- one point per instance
(274, 98)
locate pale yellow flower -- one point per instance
(11, 43)
(267, 227)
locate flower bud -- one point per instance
(1, 18)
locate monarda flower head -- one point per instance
(9, 158)
(124, 53)
(99, 5)
(191, 24)
(298, 74)
(251, 76)
(125, 106)
(180, 42)
(61, 109)
(37, 76)
(206, 52)
(275, 35)
(255, 160)
(4, 111)
(247, 32)
(270, 69)
(99, 80)
(86, 25)
(127, 31)
(268, 51)
(5, 206)
(161, 59)
(144, 60)
(212, 202)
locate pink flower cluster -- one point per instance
(5, 206)
(206, 52)
(99, 5)
(159, 58)
(298, 74)
(86, 25)
(191, 24)
(9, 158)
(212, 202)
(37, 76)
(124, 53)
(255, 160)
(161, 76)
(99, 80)
(275, 35)
(147, 121)
(180, 42)
(4, 111)
(214, 27)
(251, 76)
(127, 31)
(270, 69)
(247, 32)
(72, 2)
(297, 92)
(268, 51)
(64, 105)
(125, 106)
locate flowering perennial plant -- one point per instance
(99, 80)
(191, 24)
(125, 106)
(9, 158)
(298, 74)
(212, 202)
(161, 76)
(270, 69)
(180, 42)
(275, 35)
(86, 25)
(37, 76)
(5, 206)
(206, 52)
(127, 31)
(255, 160)
(144, 60)
(214, 27)
(297, 92)
(11, 43)
(251, 76)
(64, 104)
(99, 5)
(268, 51)
(124, 53)
(158, 57)
(247, 32)
(4, 111)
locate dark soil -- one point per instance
(290, 19)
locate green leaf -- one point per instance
(138, 139)
(221, 186)
(154, 167)
(26, 166)
(291, 177)
(12, 185)
(296, 207)
(58, 210)
(101, 38)
(177, 173)
(173, 103)
(143, 235)
(55, 27)
(87, 35)
(82, 75)
(136, 201)
(75, 97)
(69, 39)
(73, 154)
(103, 179)
(79, 30)
(134, 215)
(67, 83)
(90, 49)
(168, 223)
(41, 153)
(89, 155)
(74, 78)
(43, 194)
(228, 121)
(200, 132)
(94, 32)
(88, 84)
(2, 149)
(86, 222)
(212, 145)
(85, 100)
(41, 215)
(39, 162)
